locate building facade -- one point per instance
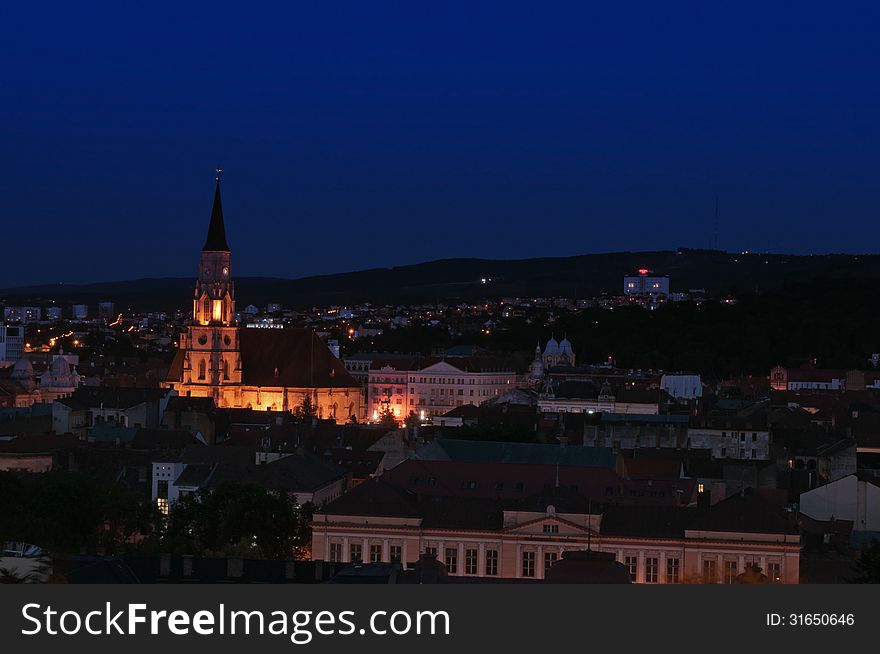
(645, 282)
(11, 342)
(514, 543)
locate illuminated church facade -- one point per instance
(261, 369)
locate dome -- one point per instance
(23, 373)
(565, 346)
(552, 347)
(60, 367)
(23, 369)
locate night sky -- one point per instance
(368, 134)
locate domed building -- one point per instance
(23, 373)
(61, 379)
(536, 368)
(558, 353)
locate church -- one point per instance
(260, 369)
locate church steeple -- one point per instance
(216, 241)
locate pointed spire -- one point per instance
(216, 241)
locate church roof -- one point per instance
(300, 357)
(216, 241)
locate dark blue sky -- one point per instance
(362, 134)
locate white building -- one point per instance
(23, 315)
(433, 387)
(682, 387)
(849, 498)
(11, 342)
(736, 442)
(645, 282)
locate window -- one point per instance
(470, 562)
(375, 553)
(710, 575)
(551, 529)
(355, 553)
(549, 560)
(431, 551)
(528, 564)
(491, 563)
(672, 566)
(723, 452)
(701, 488)
(730, 571)
(202, 369)
(396, 553)
(632, 563)
(452, 560)
(651, 565)
(754, 437)
(754, 453)
(469, 485)
(774, 571)
(335, 551)
(162, 505)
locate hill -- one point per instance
(460, 280)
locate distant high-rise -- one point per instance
(11, 342)
(646, 282)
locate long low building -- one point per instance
(586, 397)
(497, 538)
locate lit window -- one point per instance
(162, 505)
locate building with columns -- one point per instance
(271, 369)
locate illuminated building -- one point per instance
(261, 369)
(429, 386)
(558, 353)
(645, 282)
(523, 538)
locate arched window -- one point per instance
(225, 365)
(202, 369)
(206, 311)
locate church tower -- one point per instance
(211, 343)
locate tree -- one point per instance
(65, 512)
(237, 519)
(305, 409)
(869, 563)
(387, 419)
(412, 420)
